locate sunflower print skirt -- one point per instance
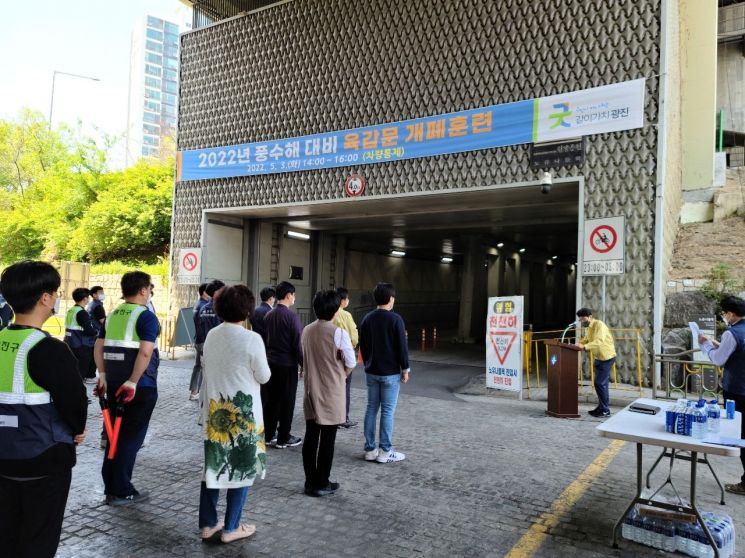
(234, 445)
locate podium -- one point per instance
(562, 379)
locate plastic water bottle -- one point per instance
(689, 419)
(627, 529)
(668, 536)
(699, 427)
(714, 414)
(680, 419)
(682, 537)
(670, 418)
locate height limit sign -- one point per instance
(604, 252)
(189, 266)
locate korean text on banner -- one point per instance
(504, 343)
(610, 108)
(607, 108)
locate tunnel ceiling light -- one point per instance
(500, 245)
(446, 259)
(399, 253)
(298, 235)
(521, 250)
(554, 257)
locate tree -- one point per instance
(59, 201)
(130, 219)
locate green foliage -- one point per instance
(119, 267)
(59, 201)
(131, 217)
(721, 282)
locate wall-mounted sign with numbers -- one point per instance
(609, 108)
(604, 252)
(504, 343)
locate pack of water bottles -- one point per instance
(695, 420)
(688, 538)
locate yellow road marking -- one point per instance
(537, 533)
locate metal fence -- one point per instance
(681, 376)
(535, 358)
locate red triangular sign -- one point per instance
(502, 342)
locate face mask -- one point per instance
(150, 298)
(102, 297)
(55, 310)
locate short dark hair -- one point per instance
(584, 312)
(326, 304)
(23, 284)
(133, 282)
(80, 293)
(267, 293)
(733, 304)
(284, 289)
(383, 292)
(202, 288)
(234, 303)
(342, 292)
(95, 289)
(213, 287)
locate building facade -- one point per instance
(152, 104)
(304, 67)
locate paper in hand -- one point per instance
(694, 330)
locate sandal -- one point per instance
(738, 488)
(243, 531)
(209, 532)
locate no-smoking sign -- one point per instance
(189, 261)
(189, 266)
(604, 252)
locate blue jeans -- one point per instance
(602, 377)
(236, 498)
(382, 393)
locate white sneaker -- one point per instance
(390, 456)
(371, 455)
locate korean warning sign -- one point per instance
(604, 252)
(504, 343)
(189, 266)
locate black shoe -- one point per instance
(599, 414)
(318, 492)
(349, 423)
(135, 497)
(333, 486)
(292, 441)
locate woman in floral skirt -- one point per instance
(234, 448)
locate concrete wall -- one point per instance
(412, 59)
(698, 78)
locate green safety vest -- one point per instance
(71, 321)
(15, 383)
(122, 344)
(120, 326)
(29, 422)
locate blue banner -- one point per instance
(603, 109)
(469, 130)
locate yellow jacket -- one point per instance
(345, 321)
(599, 340)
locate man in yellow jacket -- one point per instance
(599, 341)
(345, 321)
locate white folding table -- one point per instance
(646, 429)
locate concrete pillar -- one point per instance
(473, 265)
(698, 96)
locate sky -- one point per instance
(85, 37)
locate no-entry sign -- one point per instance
(189, 266)
(604, 252)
